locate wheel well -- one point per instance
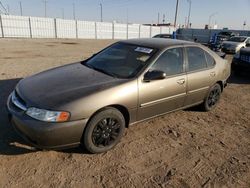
(122, 109)
(221, 85)
(124, 112)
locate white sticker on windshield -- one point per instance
(144, 50)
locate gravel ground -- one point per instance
(187, 148)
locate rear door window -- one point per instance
(210, 60)
(196, 58)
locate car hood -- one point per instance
(56, 87)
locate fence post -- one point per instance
(55, 27)
(160, 29)
(1, 23)
(95, 30)
(76, 30)
(150, 32)
(139, 31)
(30, 28)
(127, 30)
(113, 30)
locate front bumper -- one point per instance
(45, 135)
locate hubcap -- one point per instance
(105, 132)
(213, 97)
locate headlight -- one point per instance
(48, 116)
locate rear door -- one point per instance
(201, 74)
(160, 96)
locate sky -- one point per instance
(225, 13)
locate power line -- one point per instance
(5, 10)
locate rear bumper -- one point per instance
(228, 50)
(46, 135)
(240, 65)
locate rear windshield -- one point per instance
(237, 39)
(121, 60)
(225, 33)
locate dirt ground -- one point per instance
(187, 148)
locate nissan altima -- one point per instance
(93, 101)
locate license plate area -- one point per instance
(245, 58)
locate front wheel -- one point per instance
(212, 98)
(104, 130)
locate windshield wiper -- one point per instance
(100, 70)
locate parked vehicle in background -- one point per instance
(166, 36)
(241, 61)
(91, 102)
(216, 41)
(234, 44)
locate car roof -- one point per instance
(158, 43)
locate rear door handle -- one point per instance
(181, 81)
(212, 74)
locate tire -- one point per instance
(212, 98)
(104, 130)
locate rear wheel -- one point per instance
(104, 130)
(212, 98)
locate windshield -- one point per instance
(121, 60)
(237, 39)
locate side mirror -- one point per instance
(154, 75)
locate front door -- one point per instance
(160, 96)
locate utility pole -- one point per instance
(188, 24)
(74, 11)
(101, 11)
(45, 8)
(127, 15)
(158, 22)
(209, 19)
(244, 25)
(62, 13)
(176, 12)
(21, 8)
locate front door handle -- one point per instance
(212, 74)
(181, 81)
